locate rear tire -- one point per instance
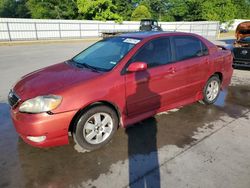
(212, 90)
(95, 127)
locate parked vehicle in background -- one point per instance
(145, 25)
(115, 83)
(223, 29)
(149, 25)
(241, 47)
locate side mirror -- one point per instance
(137, 66)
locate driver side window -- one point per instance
(155, 52)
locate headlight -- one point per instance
(41, 104)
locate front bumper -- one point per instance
(54, 127)
(241, 56)
(241, 63)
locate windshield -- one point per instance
(146, 22)
(104, 55)
(244, 32)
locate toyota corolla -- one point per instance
(114, 83)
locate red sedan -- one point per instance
(117, 82)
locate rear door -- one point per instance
(192, 61)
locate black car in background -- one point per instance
(145, 25)
(241, 48)
(149, 25)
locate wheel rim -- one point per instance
(98, 128)
(212, 90)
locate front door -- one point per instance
(149, 90)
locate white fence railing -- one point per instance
(13, 29)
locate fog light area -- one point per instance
(36, 138)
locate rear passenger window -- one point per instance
(187, 47)
(155, 52)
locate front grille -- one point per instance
(13, 99)
(242, 63)
(241, 53)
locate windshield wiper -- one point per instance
(81, 65)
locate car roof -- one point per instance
(146, 34)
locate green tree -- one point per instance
(7, 8)
(194, 12)
(22, 10)
(124, 8)
(163, 10)
(157, 8)
(13, 9)
(53, 9)
(98, 10)
(199, 10)
(141, 12)
(242, 9)
(218, 10)
(178, 9)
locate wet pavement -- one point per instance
(132, 154)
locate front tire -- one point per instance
(95, 127)
(212, 90)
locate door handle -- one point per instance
(171, 70)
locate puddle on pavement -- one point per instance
(63, 166)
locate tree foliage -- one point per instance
(54, 9)
(163, 10)
(98, 10)
(124, 8)
(242, 9)
(157, 7)
(141, 12)
(178, 9)
(194, 10)
(13, 9)
(220, 10)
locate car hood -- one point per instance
(242, 30)
(45, 81)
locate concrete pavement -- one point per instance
(220, 159)
(195, 146)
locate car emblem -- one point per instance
(244, 52)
